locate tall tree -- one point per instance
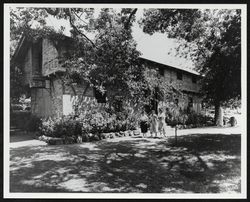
(108, 61)
(212, 38)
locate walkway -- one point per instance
(200, 163)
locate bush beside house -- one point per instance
(90, 126)
(94, 125)
(185, 119)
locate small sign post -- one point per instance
(176, 135)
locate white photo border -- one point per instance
(242, 195)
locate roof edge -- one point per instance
(20, 44)
(169, 66)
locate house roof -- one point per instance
(166, 65)
(20, 49)
(23, 44)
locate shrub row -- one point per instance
(86, 137)
(188, 120)
(91, 122)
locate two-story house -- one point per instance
(42, 72)
(185, 80)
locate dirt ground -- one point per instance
(199, 163)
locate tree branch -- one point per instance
(51, 12)
(126, 26)
(77, 30)
(79, 17)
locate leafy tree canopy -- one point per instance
(211, 38)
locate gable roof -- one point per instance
(164, 64)
(20, 49)
(24, 44)
(159, 48)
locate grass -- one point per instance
(199, 163)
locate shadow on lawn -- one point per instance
(198, 164)
(22, 136)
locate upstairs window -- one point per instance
(194, 79)
(179, 75)
(37, 57)
(161, 71)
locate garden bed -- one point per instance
(87, 137)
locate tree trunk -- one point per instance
(218, 116)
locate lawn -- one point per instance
(199, 163)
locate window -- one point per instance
(67, 105)
(190, 105)
(194, 79)
(176, 101)
(99, 96)
(190, 101)
(179, 75)
(37, 58)
(161, 71)
(118, 105)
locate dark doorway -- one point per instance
(190, 104)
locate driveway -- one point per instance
(199, 163)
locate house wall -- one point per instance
(40, 102)
(27, 66)
(32, 63)
(50, 58)
(62, 97)
(184, 84)
(78, 90)
(196, 102)
(88, 100)
(32, 69)
(53, 100)
(58, 99)
(36, 58)
(46, 101)
(183, 101)
(56, 96)
(191, 91)
(187, 85)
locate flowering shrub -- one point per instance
(94, 122)
(91, 122)
(182, 117)
(47, 127)
(197, 119)
(61, 127)
(103, 121)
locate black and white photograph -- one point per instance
(125, 100)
